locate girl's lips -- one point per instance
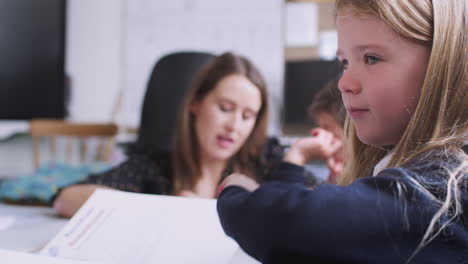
(357, 113)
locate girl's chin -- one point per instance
(375, 141)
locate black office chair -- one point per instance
(171, 77)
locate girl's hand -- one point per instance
(321, 145)
(240, 180)
(336, 167)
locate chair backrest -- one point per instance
(171, 77)
(52, 130)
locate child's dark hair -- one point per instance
(328, 100)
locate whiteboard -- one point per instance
(154, 28)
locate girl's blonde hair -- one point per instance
(185, 157)
(440, 120)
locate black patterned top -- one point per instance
(149, 171)
(141, 173)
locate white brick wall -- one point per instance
(155, 28)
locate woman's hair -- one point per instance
(185, 155)
(440, 120)
(328, 100)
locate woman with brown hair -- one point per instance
(221, 129)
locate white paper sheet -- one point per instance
(240, 257)
(328, 45)
(6, 221)
(301, 24)
(119, 228)
(14, 257)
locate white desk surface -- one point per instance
(28, 228)
(9, 128)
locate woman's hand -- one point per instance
(240, 180)
(321, 145)
(187, 193)
(71, 198)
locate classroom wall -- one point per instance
(94, 57)
(112, 45)
(111, 48)
(326, 22)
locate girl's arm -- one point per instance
(321, 145)
(284, 218)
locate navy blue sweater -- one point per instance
(378, 219)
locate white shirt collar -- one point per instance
(382, 164)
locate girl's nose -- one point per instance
(348, 84)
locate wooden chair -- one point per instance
(54, 129)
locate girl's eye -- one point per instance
(371, 59)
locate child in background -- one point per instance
(403, 195)
(324, 142)
(327, 109)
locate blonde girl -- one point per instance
(403, 196)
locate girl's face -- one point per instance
(382, 78)
(225, 117)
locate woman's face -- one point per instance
(225, 117)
